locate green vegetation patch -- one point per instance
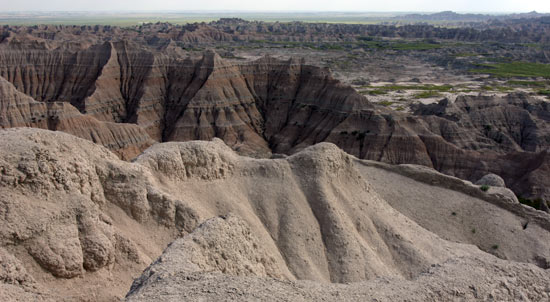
(375, 92)
(385, 103)
(324, 46)
(370, 42)
(465, 55)
(515, 69)
(496, 88)
(533, 45)
(415, 46)
(427, 94)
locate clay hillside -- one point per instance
(78, 223)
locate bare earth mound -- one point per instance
(77, 223)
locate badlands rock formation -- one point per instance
(249, 106)
(129, 94)
(229, 30)
(78, 223)
(20, 110)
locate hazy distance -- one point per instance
(486, 6)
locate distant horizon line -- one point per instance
(271, 11)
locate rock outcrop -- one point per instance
(492, 180)
(79, 220)
(250, 106)
(127, 95)
(234, 30)
(20, 110)
(469, 278)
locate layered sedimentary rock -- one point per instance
(515, 122)
(20, 110)
(264, 106)
(250, 106)
(508, 136)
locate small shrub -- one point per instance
(484, 188)
(344, 133)
(453, 213)
(494, 247)
(473, 230)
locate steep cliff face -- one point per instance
(20, 110)
(514, 122)
(254, 107)
(509, 136)
(125, 96)
(54, 75)
(215, 103)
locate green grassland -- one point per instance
(136, 18)
(113, 20)
(466, 55)
(415, 46)
(499, 88)
(427, 94)
(130, 18)
(515, 69)
(371, 44)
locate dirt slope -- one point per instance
(475, 277)
(460, 212)
(77, 223)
